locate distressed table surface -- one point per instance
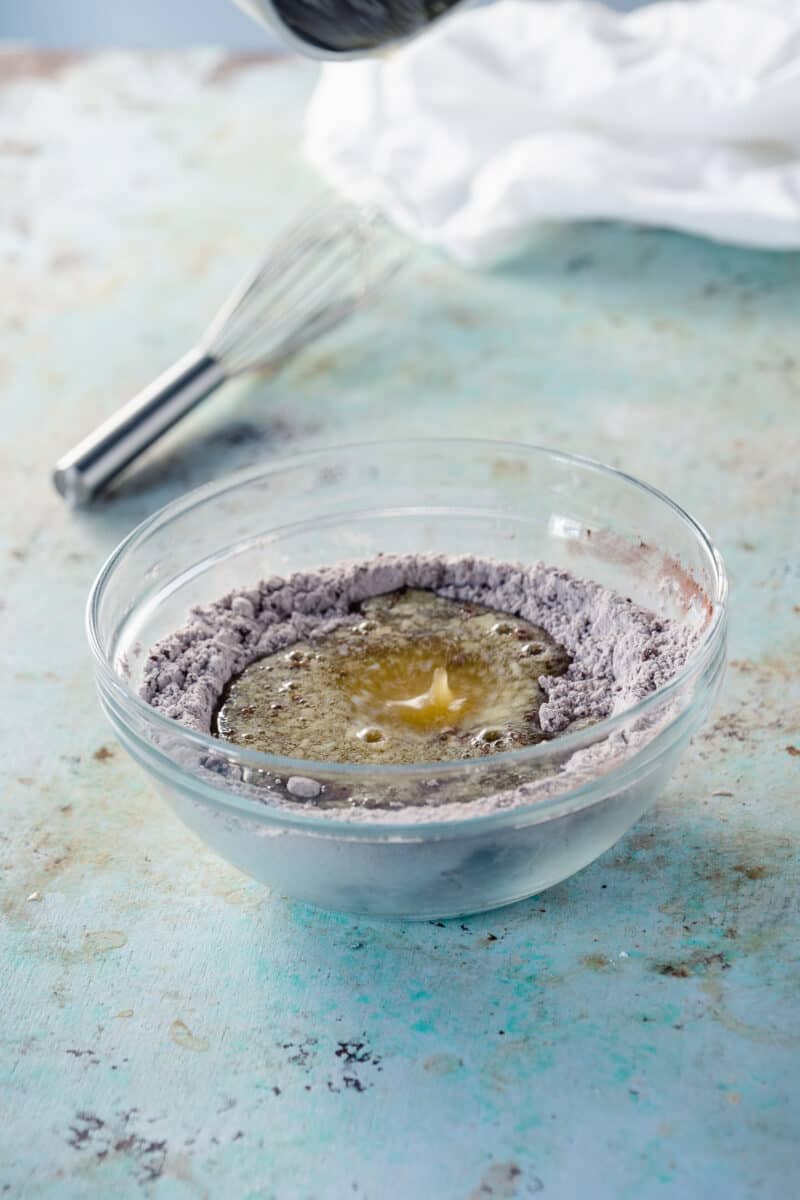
(171, 1029)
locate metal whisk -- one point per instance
(318, 272)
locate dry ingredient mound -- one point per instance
(620, 652)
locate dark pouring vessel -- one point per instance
(337, 29)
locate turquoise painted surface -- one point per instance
(171, 1029)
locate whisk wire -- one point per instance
(309, 283)
(330, 263)
(315, 231)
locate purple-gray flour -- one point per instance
(620, 651)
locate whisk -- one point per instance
(315, 275)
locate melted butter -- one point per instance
(413, 677)
(436, 704)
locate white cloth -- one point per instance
(681, 114)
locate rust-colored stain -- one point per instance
(103, 754)
(757, 872)
(712, 987)
(645, 560)
(732, 725)
(794, 751)
(769, 666)
(17, 149)
(182, 1035)
(243, 60)
(596, 962)
(509, 468)
(97, 942)
(34, 64)
(641, 841)
(689, 589)
(697, 963)
(442, 1064)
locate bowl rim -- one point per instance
(698, 657)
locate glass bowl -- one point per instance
(489, 499)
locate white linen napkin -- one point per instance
(683, 114)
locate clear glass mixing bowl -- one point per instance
(490, 499)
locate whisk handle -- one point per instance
(95, 461)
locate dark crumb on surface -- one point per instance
(354, 1052)
(103, 754)
(794, 751)
(302, 1052)
(699, 962)
(89, 1125)
(676, 970)
(500, 1179)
